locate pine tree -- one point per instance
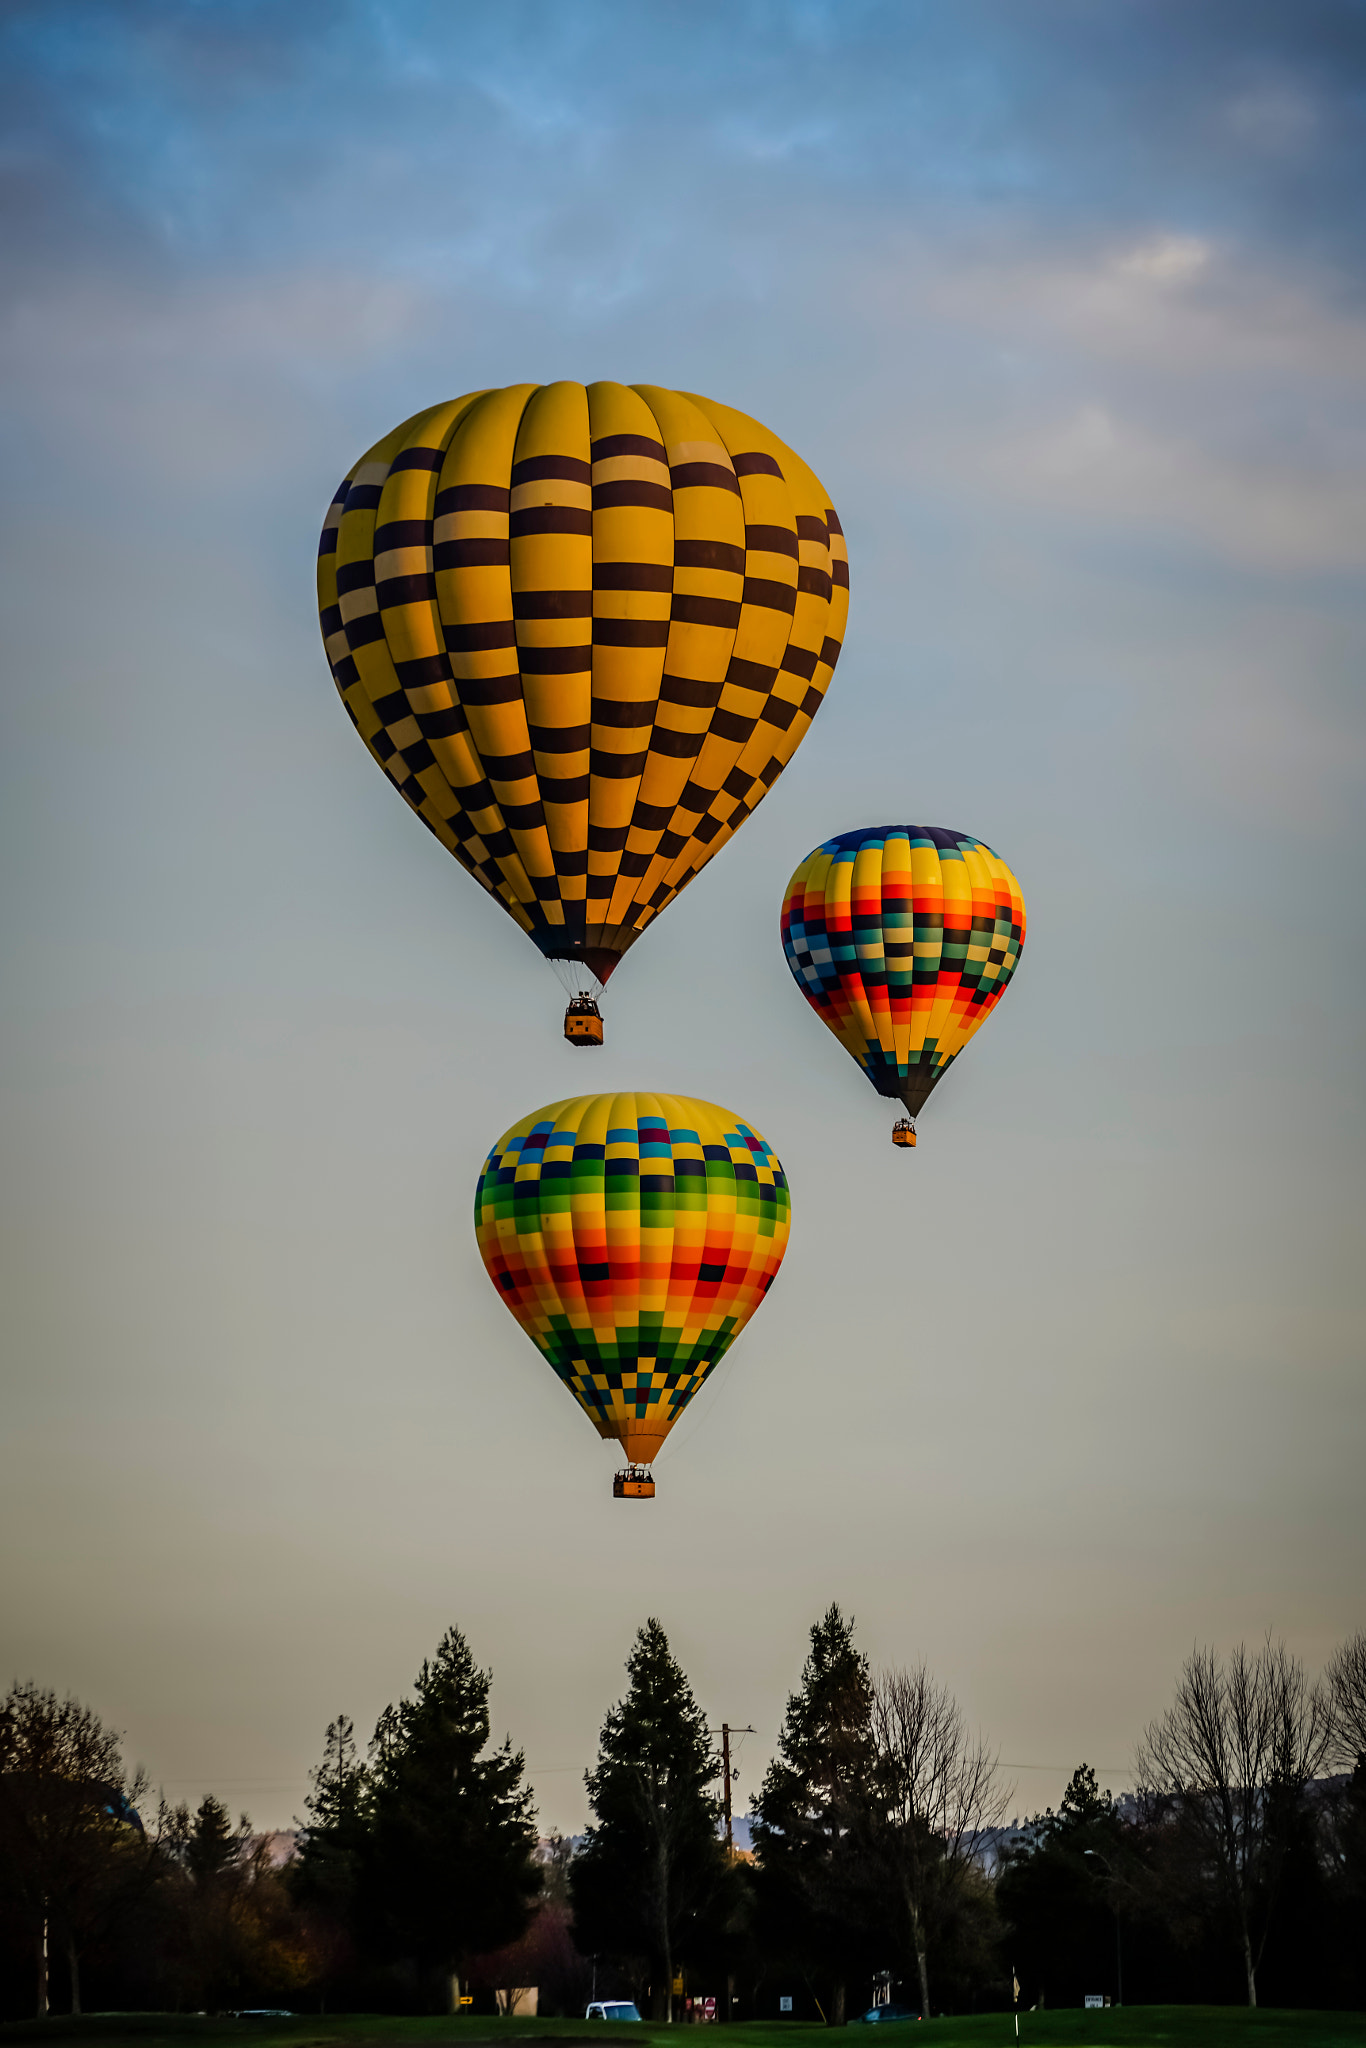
(447, 1860)
(332, 1845)
(652, 1878)
(212, 1846)
(810, 1814)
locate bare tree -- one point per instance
(1344, 1681)
(1229, 1761)
(936, 1792)
(71, 1844)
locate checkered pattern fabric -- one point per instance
(633, 1237)
(903, 938)
(583, 630)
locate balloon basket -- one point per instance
(903, 1132)
(637, 1482)
(583, 1021)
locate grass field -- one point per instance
(1136, 2026)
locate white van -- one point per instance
(613, 2009)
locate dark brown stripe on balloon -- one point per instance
(688, 690)
(771, 540)
(559, 739)
(799, 661)
(442, 725)
(422, 671)
(678, 746)
(550, 519)
(839, 573)
(751, 675)
(704, 611)
(616, 767)
(565, 789)
(629, 444)
(778, 712)
(630, 632)
(509, 767)
(728, 725)
(551, 468)
(396, 590)
(471, 498)
(709, 554)
(691, 476)
(633, 576)
(607, 711)
(418, 458)
(814, 582)
(483, 690)
(554, 661)
(632, 491)
(403, 533)
(552, 604)
(830, 651)
(809, 528)
(773, 597)
(755, 465)
(470, 554)
(475, 639)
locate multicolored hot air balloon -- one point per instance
(633, 1237)
(903, 938)
(583, 630)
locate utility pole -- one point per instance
(726, 1732)
(726, 1778)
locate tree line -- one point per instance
(881, 1867)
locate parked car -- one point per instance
(613, 2009)
(881, 2014)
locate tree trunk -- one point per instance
(1251, 1969)
(42, 1972)
(74, 1963)
(922, 1971)
(837, 2005)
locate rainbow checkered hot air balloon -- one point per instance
(903, 939)
(583, 631)
(632, 1236)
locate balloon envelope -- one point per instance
(632, 1236)
(903, 939)
(583, 630)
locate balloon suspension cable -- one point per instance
(577, 978)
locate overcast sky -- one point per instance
(1064, 303)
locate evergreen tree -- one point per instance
(652, 1879)
(447, 1860)
(1059, 1889)
(332, 1845)
(810, 1815)
(212, 1845)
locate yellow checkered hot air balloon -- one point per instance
(632, 1236)
(583, 630)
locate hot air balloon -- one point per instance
(632, 1236)
(903, 938)
(583, 630)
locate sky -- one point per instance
(1066, 305)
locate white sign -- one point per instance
(784, 2005)
(1093, 1998)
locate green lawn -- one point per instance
(1137, 2026)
